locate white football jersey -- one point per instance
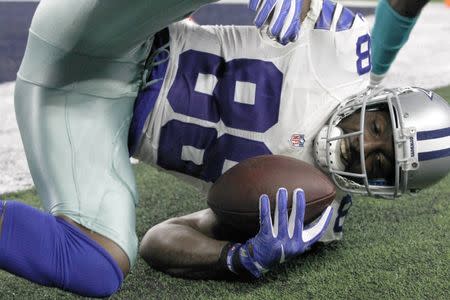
(219, 94)
(230, 92)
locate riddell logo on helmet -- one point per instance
(411, 147)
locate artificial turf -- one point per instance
(392, 249)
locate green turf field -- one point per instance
(391, 250)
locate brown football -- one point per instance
(234, 197)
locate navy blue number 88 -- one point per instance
(242, 93)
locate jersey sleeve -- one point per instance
(186, 35)
(228, 42)
(340, 50)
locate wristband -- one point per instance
(232, 254)
(223, 260)
(230, 260)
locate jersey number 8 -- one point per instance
(243, 94)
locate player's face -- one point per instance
(378, 144)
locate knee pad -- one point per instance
(49, 251)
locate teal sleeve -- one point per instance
(390, 32)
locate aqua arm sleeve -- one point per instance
(390, 32)
(49, 251)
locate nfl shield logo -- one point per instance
(297, 140)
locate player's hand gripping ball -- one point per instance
(234, 197)
(283, 239)
(282, 16)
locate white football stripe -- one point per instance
(433, 144)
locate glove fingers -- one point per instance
(253, 4)
(279, 17)
(291, 25)
(281, 214)
(265, 219)
(291, 33)
(264, 12)
(313, 234)
(298, 215)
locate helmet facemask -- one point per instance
(328, 146)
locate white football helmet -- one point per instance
(421, 135)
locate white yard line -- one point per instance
(424, 61)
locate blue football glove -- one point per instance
(284, 239)
(282, 16)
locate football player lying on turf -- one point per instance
(212, 100)
(74, 100)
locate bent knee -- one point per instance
(119, 256)
(102, 274)
(52, 252)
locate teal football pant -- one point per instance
(74, 96)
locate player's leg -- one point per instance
(74, 97)
(109, 29)
(50, 251)
(76, 149)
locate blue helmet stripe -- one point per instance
(346, 20)
(434, 154)
(433, 134)
(326, 15)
